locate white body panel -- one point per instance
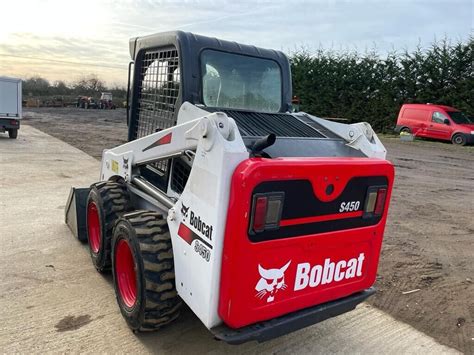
(207, 196)
(10, 98)
(359, 136)
(219, 148)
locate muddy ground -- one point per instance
(429, 239)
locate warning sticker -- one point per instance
(115, 166)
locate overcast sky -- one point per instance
(60, 39)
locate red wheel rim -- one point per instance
(125, 273)
(93, 227)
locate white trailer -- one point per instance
(10, 106)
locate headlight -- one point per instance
(472, 132)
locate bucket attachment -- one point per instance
(75, 212)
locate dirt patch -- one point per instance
(89, 130)
(428, 241)
(72, 323)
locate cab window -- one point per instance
(240, 82)
(438, 117)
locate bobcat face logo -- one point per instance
(271, 281)
(184, 210)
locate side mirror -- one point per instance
(446, 122)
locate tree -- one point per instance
(368, 87)
(90, 85)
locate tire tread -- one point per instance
(115, 202)
(162, 303)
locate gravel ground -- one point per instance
(428, 243)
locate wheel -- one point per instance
(405, 130)
(459, 139)
(106, 202)
(13, 133)
(143, 270)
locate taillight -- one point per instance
(380, 202)
(266, 211)
(375, 201)
(260, 213)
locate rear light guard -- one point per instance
(266, 211)
(375, 202)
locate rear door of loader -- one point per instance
(321, 240)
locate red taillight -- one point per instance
(266, 211)
(375, 201)
(380, 201)
(259, 213)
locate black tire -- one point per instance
(406, 130)
(110, 200)
(459, 139)
(156, 302)
(13, 133)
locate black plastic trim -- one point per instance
(6, 123)
(469, 138)
(291, 322)
(128, 92)
(301, 202)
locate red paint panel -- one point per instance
(328, 217)
(165, 139)
(264, 280)
(185, 233)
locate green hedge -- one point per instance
(372, 88)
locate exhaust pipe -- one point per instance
(260, 144)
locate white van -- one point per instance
(10, 106)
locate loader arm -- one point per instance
(172, 142)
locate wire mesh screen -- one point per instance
(158, 93)
(181, 172)
(159, 88)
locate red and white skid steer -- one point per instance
(261, 220)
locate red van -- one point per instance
(436, 121)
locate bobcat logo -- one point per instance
(125, 163)
(271, 281)
(184, 210)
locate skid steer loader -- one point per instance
(261, 220)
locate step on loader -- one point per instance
(263, 221)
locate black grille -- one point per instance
(180, 176)
(321, 129)
(281, 124)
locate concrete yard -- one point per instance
(53, 300)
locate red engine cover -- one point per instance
(319, 254)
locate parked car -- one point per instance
(437, 122)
